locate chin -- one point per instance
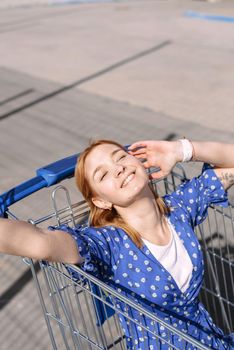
(137, 192)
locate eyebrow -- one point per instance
(112, 154)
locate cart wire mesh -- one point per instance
(85, 314)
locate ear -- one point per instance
(101, 203)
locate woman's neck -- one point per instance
(144, 216)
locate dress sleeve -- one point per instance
(93, 246)
(196, 195)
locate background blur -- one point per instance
(126, 70)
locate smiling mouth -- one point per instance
(128, 179)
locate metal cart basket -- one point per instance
(83, 313)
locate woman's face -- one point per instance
(116, 177)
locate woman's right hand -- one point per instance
(162, 154)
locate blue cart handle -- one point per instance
(46, 176)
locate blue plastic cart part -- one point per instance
(58, 171)
(46, 176)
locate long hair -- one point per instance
(104, 217)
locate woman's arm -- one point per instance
(216, 153)
(220, 155)
(23, 239)
(165, 154)
(226, 176)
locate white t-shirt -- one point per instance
(174, 258)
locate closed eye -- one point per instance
(102, 177)
(123, 156)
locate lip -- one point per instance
(132, 172)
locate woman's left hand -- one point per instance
(162, 154)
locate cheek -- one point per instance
(106, 190)
(137, 163)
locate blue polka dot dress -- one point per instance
(112, 256)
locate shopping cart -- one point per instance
(82, 312)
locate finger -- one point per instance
(141, 158)
(138, 152)
(158, 175)
(137, 144)
(146, 164)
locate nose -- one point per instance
(120, 169)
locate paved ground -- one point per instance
(124, 70)
(189, 68)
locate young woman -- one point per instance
(138, 243)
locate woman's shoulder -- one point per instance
(84, 228)
(103, 230)
(102, 233)
(190, 188)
